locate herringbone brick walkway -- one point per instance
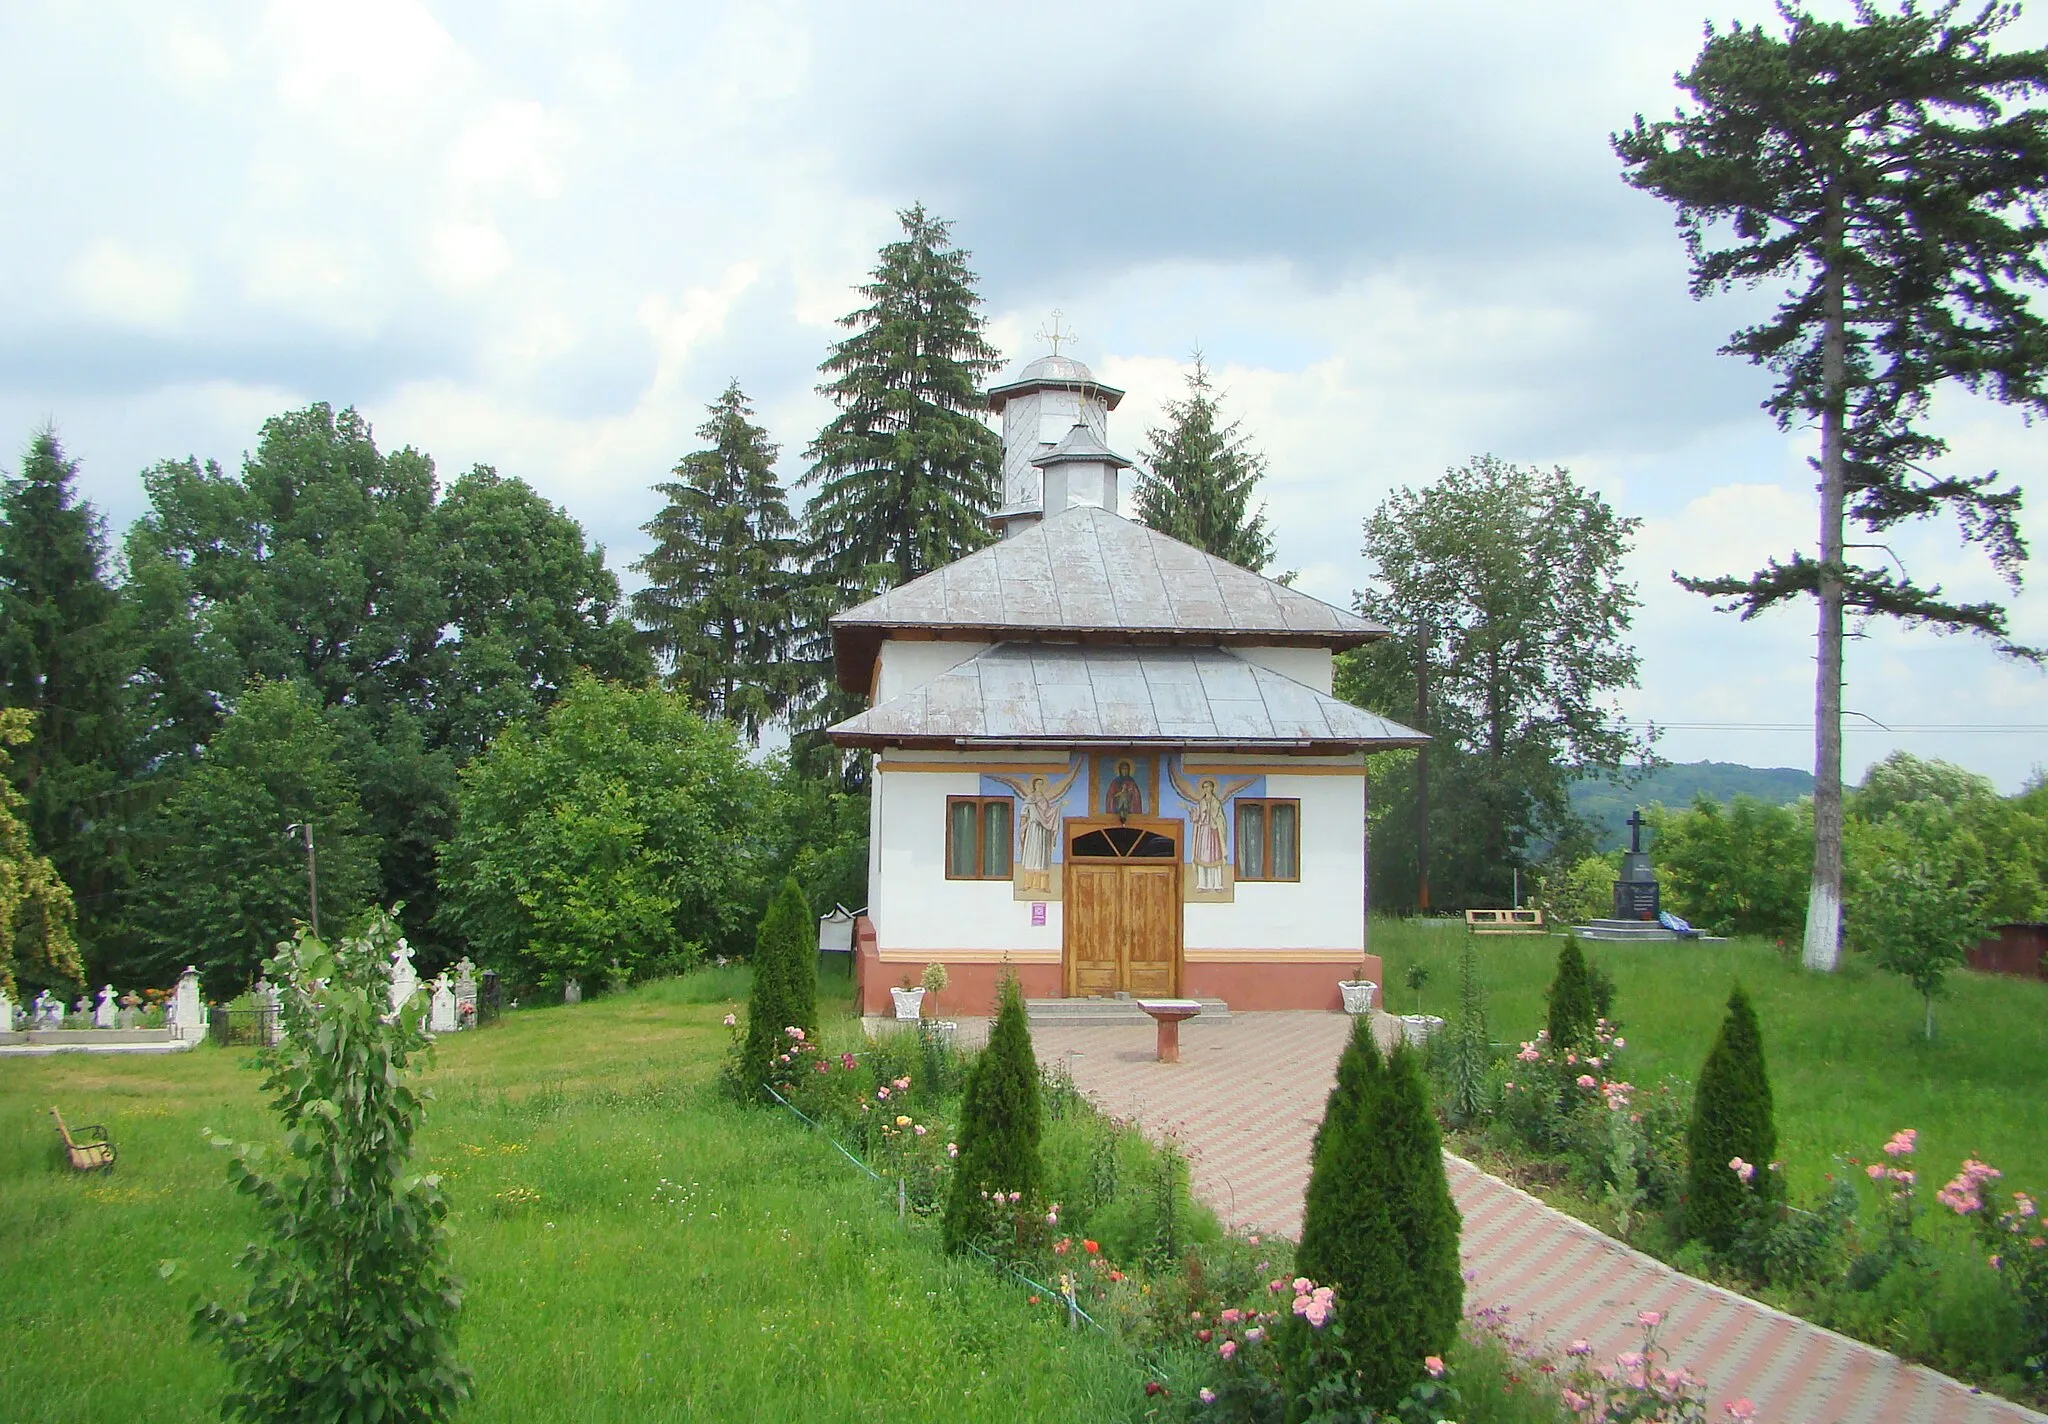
(1244, 1102)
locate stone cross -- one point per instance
(1635, 825)
(441, 1016)
(6, 1012)
(131, 1010)
(107, 1015)
(49, 1011)
(572, 991)
(405, 980)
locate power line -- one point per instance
(1986, 728)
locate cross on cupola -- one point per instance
(1052, 334)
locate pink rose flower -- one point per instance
(731, 1019)
(1227, 1349)
(1587, 1080)
(1649, 1319)
(1435, 1365)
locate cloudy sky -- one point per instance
(543, 235)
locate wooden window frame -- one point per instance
(1267, 822)
(980, 859)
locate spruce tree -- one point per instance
(785, 991)
(1000, 1119)
(1200, 477)
(719, 607)
(1571, 1000)
(65, 657)
(907, 472)
(1424, 1218)
(1891, 169)
(1731, 1119)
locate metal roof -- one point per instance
(1053, 373)
(1026, 693)
(1088, 572)
(1082, 443)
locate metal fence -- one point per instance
(252, 1028)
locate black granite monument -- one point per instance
(1635, 894)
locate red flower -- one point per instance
(1205, 1335)
(1153, 1387)
(1091, 1248)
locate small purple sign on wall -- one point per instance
(1037, 913)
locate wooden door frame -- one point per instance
(1072, 826)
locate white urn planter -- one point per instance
(909, 1004)
(1357, 995)
(1418, 1029)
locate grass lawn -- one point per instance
(1847, 1061)
(632, 1248)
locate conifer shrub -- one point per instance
(351, 1307)
(1732, 1128)
(785, 992)
(1380, 1229)
(1000, 1120)
(1468, 1053)
(1571, 999)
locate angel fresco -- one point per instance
(1208, 839)
(1039, 813)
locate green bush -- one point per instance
(1001, 1118)
(1731, 1120)
(1583, 890)
(785, 994)
(1379, 1227)
(1745, 870)
(351, 1306)
(1572, 1014)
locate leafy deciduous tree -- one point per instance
(1503, 586)
(1892, 171)
(36, 939)
(622, 828)
(351, 1307)
(1200, 479)
(720, 605)
(226, 881)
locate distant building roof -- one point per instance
(1087, 573)
(1034, 693)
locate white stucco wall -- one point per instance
(1311, 666)
(916, 909)
(907, 663)
(1324, 910)
(913, 905)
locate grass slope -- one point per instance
(1848, 1065)
(632, 1247)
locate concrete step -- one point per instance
(1623, 930)
(1111, 1012)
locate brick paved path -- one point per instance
(1245, 1100)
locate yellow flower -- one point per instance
(903, 1122)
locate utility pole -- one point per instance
(312, 873)
(1422, 776)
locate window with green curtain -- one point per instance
(1285, 818)
(995, 839)
(960, 840)
(1251, 840)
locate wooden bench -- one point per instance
(1505, 922)
(89, 1151)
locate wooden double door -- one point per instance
(1123, 906)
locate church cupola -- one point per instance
(1055, 423)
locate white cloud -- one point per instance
(117, 284)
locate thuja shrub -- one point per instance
(1732, 1128)
(1572, 1014)
(351, 1307)
(1378, 1228)
(1001, 1117)
(785, 992)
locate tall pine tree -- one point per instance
(1200, 476)
(65, 657)
(1893, 171)
(719, 608)
(907, 472)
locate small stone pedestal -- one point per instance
(1168, 1013)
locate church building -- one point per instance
(1106, 760)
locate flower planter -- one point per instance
(909, 1004)
(1418, 1029)
(1357, 995)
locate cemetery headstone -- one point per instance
(131, 1010)
(441, 1014)
(6, 1012)
(1636, 895)
(269, 1005)
(108, 1013)
(572, 992)
(405, 980)
(49, 1011)
(188, 1010)
(465, 986)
